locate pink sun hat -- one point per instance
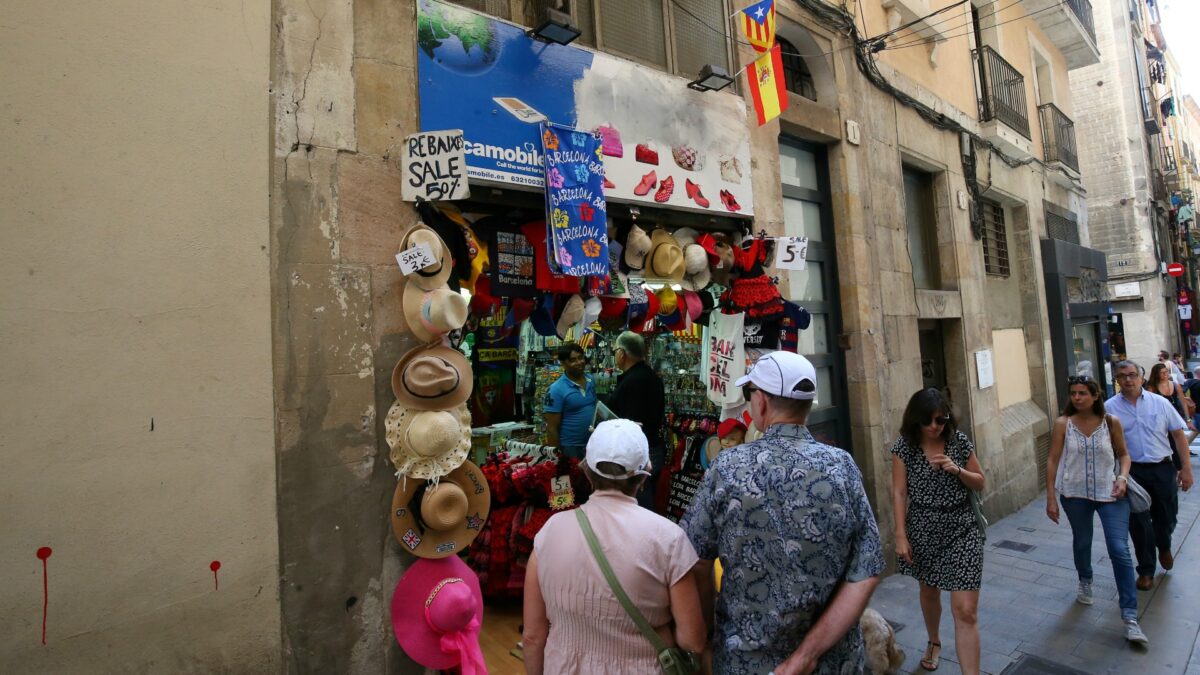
(437, 612)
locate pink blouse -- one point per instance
(589, 630)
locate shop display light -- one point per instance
(712, 78)
(556, 28)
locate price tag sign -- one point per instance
(435, 166)
(791, 253)
(416, 258)
(562, 495)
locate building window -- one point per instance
(922, 228)
(497, 8)
(1061, 224)
(995, 239)
(676, 37)
(796, 75)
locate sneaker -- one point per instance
(1133, 633)
(1084, 596)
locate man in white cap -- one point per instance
(789, 519)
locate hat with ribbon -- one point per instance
(437, 274)
(637, 245)
(452, 511)
(437, 614)
(433, 377)
(432, 314)
(695, 264)
(428, 443)
(665, 260)
(572, 314)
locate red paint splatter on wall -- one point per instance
(43, 554)
(214, 566)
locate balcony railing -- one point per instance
(1002, 90)
(1082, 9)
(1058, 136)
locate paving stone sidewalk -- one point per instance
(1027, 604)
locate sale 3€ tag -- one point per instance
(416, 258)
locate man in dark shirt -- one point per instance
(639, 397)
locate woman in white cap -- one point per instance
(574, 621)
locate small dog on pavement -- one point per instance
(883, 657)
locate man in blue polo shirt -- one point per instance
(570, 404)
(1152, 427)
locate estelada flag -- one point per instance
(758, 23)
(767, 88)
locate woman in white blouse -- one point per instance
(1088, 470)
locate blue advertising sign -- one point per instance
(662, 143)
(576, 213)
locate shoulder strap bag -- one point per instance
(672, 660)
(1139, 499)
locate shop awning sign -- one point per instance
(434, 166)
(663, 144)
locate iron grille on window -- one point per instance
(1061, 226)
(497, 8)
(796, 75)
(995, 239)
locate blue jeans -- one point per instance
(1114, 518)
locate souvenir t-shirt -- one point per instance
(546, 280)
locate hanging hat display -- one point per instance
(542, 318)
(696, 273)
(437, 614)
(452, 512)
(432, 314)
(686, 236)
(637, 246)
(665, 260)
(437, 274)
(428, 444)
(572, 314)
(591, 311)
(435, 377)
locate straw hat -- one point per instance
(434, 377)
(572, 314)
(665, 260)
(452, 512)
(695, 263)
(432, 314)
(637, 245)
(428, 443)
(435, 275)
(436, 603)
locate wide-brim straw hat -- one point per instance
(452, 512)
(665, 260)
(697, 274)
(428, 444)
(435, 275)
(432, 314)
(433, 377)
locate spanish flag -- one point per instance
(767, 88)
(758, 23)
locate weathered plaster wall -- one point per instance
(135, 416)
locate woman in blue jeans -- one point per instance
(1088, 470)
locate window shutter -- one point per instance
(634, 28)
(699, 36)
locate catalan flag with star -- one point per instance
(758, 23)
(767, 89)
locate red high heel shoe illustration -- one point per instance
(665, 190)
(693, 193)
(646, 185)
(608, 184)
(729, 202)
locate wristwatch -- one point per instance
(1123, 477)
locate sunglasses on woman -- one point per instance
(1078, 379)
(940, 421)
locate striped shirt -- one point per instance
(589, 630)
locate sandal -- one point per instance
(929, 661)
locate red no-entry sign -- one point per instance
(1175, 269)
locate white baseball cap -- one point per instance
(621, 442)
(783, 374)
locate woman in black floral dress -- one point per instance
(937, 539)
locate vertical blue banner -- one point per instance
(576, 213)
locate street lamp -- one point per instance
(712, 78)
